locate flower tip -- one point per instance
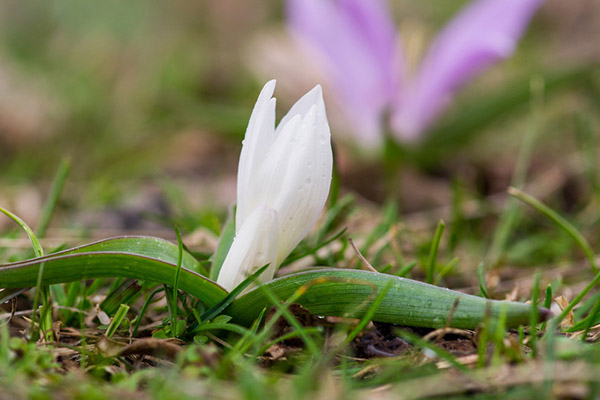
(317, 92)
(316, 95)
(269, 88)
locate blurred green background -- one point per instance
(153, 97)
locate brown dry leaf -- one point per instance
(369, 370)
(103, 317)
(159, 348)
(468, 360)
(570, 318)
(492, 279)
(594, 334)
(514, 293)
(154, 347)
(108, 347)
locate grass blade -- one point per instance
(560, 222)
(510, 214)
(117, 320)
(174, 302)
(435, 244)
(213, 312)
(50, 205)
(223, 248)
(368, 316)
(45, 316)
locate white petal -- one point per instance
(307, 183)
(259, 137)
(303, 105)
(266, 185)
(295, 177)
(254, 245)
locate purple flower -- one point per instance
(355, 42)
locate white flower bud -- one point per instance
(286, 170)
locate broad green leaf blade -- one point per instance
(351, 292)
(138, 257)
(323, 291)
(147, 246)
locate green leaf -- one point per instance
(57, 187)
(140, 257)
(322, 291)
(222, 319)
(351, 292)
(161, 334)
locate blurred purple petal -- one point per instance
(485, 32)
(354, 42)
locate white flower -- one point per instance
(284, 176)
(254, 245)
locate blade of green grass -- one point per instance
(287, 336)
(117, 320)
(223, 248)
(290, 318)
(547, 302)
(560, 222)
(367, 317)
(441, 353)
(143, 310)
(223, 304)
(510, 214)
(435, 245)
(556, 321)
(174, 302)
(35, 243)
(591, 320)
(52, 200)
(482, 284)
(125, 292)
(41, 290)
(535, 313)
